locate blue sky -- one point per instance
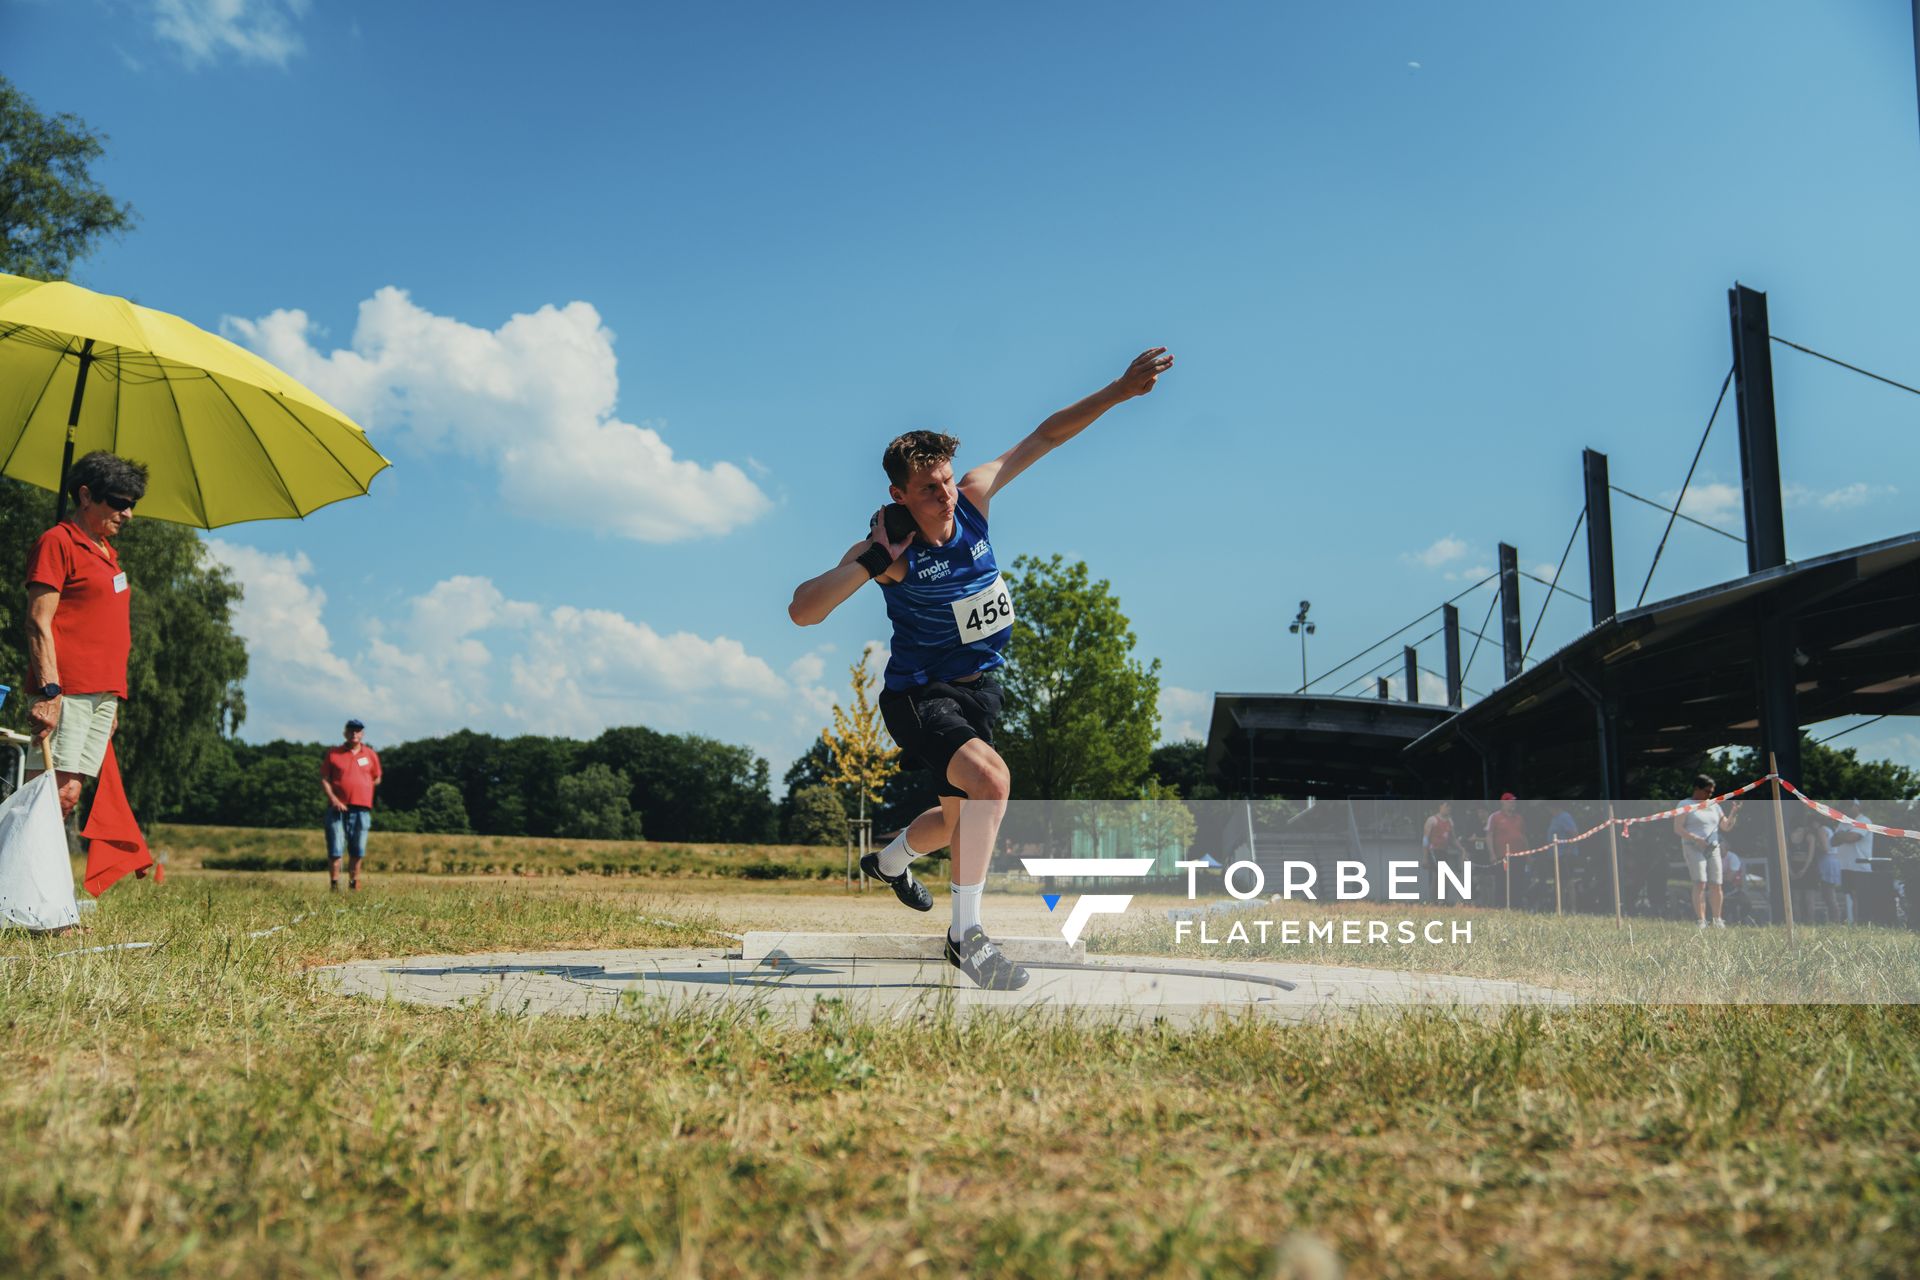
(634, 296)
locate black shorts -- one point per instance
(933, 721)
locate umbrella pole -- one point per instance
(73, 424)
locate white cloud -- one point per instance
(465, 655)
(1846, 498)
(1184, 713)
(1444, 551)
(250, 30)
(1472, 574)
(1713, 503)
(288, 648)
(535, 398)
(1433, 688)
(1901, 748)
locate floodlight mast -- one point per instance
(1302, 628)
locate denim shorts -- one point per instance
(347, 832)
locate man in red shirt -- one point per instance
(1507, 834)
(80, 623)
(348, 774)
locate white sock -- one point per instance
(966, 909)
(896, 856)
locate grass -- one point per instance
(271, 849)
(1640, 961)
(204, 1109)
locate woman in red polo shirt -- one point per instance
(80, 623)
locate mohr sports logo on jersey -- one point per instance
(1091, 904)
(935, 569)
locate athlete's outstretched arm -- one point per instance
(817, 597)
(987, 479)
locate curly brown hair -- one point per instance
(916, 451)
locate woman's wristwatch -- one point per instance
(49, 690)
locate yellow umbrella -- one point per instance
(226, 436)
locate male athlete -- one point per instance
(952, 616)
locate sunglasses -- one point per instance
(119, 503)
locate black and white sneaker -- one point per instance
(905, 887)
(977, 957)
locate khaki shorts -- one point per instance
(80, 743)
(1704, 866)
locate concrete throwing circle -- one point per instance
(1112, 988)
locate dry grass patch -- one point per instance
(270, 849)
(205, 1109)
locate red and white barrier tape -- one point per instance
(1626, 825)
(1859, 823)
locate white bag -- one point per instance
(36, 880)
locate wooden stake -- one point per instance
(1780, 838)
(1556, 875)
(1613, 852)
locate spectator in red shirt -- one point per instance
(1507, 834)
(348, 774)
(1439, 843)
(80, 623)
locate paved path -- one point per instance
(634, 982)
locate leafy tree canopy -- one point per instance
(1082, 712)
(52, 212)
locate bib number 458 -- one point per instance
(983, 617)
(984, 613)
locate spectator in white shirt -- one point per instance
(1699, 830)
(1854, 845)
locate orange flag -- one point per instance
(115, 846)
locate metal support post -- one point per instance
(1413, 673)
(1510, 608)
(1450, 618)
(1600, 588)
(1759, 433)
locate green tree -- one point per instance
(1183, 766)
(812, 769)
(1081, 712)
(1163, 821)
(1826, 773)
(818, 817)
(527, 775)
(52, 212)
(863, 756)
(185, 668)
(594, 805)
(186, 664)
(441, 809)
(689, 787)
(280, 791)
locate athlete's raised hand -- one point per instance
(1144, 372)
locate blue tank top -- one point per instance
(952, 616)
